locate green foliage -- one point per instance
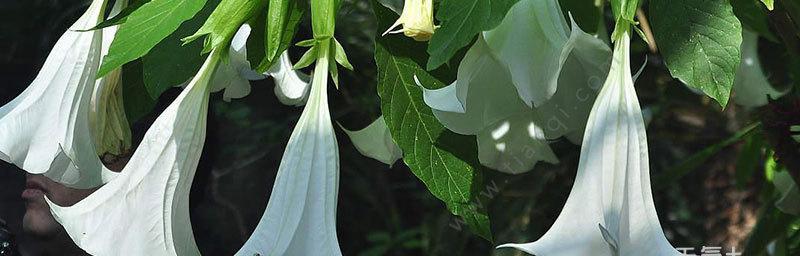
(702, 48)
(461, 21)
(283, 17)
(446, 162)
(753, 17)
(171, 62)
(145, 27)
(224, 22)
(138, 103)
(123, 15)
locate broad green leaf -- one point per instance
(461, 21)
(446, 162)
(289, 28)
(123, 15)
(170, 62)
(225, 21)
(666, 178)
(145, 27)
(702, 47)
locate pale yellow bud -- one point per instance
(107, 119)
(417, 20)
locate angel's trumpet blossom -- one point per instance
(145, 210)
(610, 210)
(416, 19)
(45, 130)
(485, 100)
(300, 218)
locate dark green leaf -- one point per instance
(170, 62)
(122, 16)
(289, 29)
(145, 27)
(460, 21)
(223, 23)
(702, 47)
(137, 102)
(446, 162)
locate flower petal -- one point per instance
(514, 145)
(375, 141)
(146, 208)
(529, 41)
(587, 63)
(750, 85)
(233, 75)
(45, 129)
(612, 186)
(300, 218)
(291, 86)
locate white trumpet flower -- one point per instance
(416, 19)
(300, 218)
(750, 86)
(291, 86)
(610, 210)
(146, 208)
(375, 141)
(512, 137)
(45, 130)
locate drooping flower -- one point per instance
(235, 75)
(375, 141)
(750, 86)
(300, 218)
(416, 19)
(291, 86)
(484, 100)
(146, 208)
(610, 210)
(45, 130)
(107, 120)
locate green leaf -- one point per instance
(136, 101)
(446, 162)
(225, 21)
(666, 178)
(702, 47)
(122, 16)
(295, 15)
(170, 62)
(461, 21)
(145, 27)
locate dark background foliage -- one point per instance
(388, 211)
